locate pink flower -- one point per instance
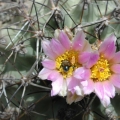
(104, 79)
(62, 61)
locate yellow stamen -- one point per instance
(67, 63)
(101, 70)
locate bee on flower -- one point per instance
(62, 60)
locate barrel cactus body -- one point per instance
(59, 59)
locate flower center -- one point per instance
(101, 70)
(67, 63)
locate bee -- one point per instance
(65, 65)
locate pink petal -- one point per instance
(116, 68)
(89, 88)
(56, 86)
(109, 89)
(47, 49)
(84, 83)
(57, 47)
(105, 101)
(53, 75)
(44, 73)
(108, 48)
(115, 58)
(99, 90)
(93, 58)
(82, 73)
(64, 40)
(63, 91)
(73, 82)
(115, 80)
(83, 57)
(78, 90)
(50, 64)
(79, 41)
(88, 58)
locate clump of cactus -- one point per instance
(59, 59)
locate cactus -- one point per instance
(24, 24)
